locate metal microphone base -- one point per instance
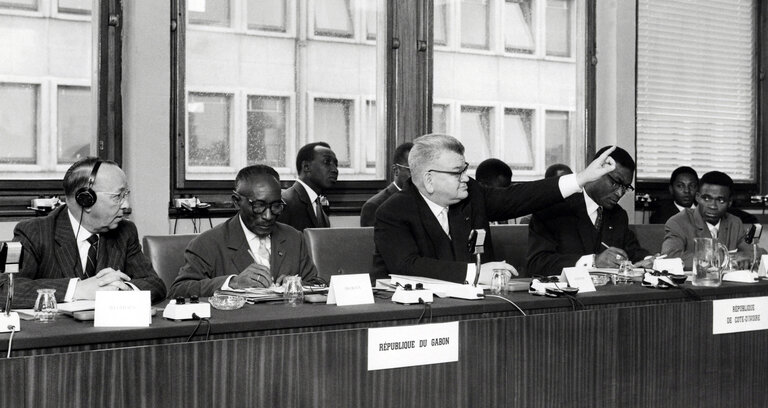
(9, 322)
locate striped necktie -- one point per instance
(90, 264)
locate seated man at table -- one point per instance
(318, 169)
(588, 229)
(251, 249)
(401, 173)
(86, 245)
(682, 186)
(424, 229)
(709, 219)
(493, 173)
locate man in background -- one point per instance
(683, 185)
(493, 173)
(557, 170)
(709, 219)
(86, 245)
(588, 229)
(251, 249)
(317, 167)
(400, 172)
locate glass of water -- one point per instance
(293, 292)
(45, 306)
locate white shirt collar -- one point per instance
(716, 226)
(249, 235)
(434, 207)
(681, 208)
(311, 193)
(82, 233)
(396, 186)
(591, 206)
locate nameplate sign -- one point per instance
(671, 265)
(347, 290)
(408, 346)
(122, 309)
(578, 277)
(739, 315)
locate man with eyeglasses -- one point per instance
(251, 249)
(86, 245)
(709, 219)
(400, 172)
(424, 229)
(588, 229)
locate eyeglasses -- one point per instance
(259, 206)
(117, 197)
(616, 184)
(457, 174)
(401, 166)
(707, 199)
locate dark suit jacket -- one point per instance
(223, 251)
(683, 228)
(410, 241)
(558, 236)
(368, 212)
(664, 211)
(50, 257)
(300, 212)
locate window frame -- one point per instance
(15, 194)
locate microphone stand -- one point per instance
(9, 321)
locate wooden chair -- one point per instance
(510, 243)
(340, 250)
(166, 252)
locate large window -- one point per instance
(512, 73)
(696, 87)
(47, 102)
(264, 78)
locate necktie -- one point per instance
(713, 231)
(322, 218)
(599, 219)
(263, 252)
(90, 263)
(442, 217)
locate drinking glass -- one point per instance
(45, 306)
(625, 275)
(499, 282)
(293, 293)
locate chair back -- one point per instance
(349, 250)
(166, 252)
(649, 236)
(510, 243)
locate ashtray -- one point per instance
(223, 301)
(600, 279)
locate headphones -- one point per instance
(85, 196)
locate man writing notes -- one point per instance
(709, 219)
(249, 250)
(86, 245)
(424, 229)
(401, 173)
(318, 170)
(587, 229)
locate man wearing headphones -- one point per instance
(86, 245)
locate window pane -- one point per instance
(559, 28)
(441, 22)
(369, 139)
(476, 133)
(266, 130)
(76, 139)
(18, 123)
(209, 12)
(439, 118)
(371, 23)
(332, 125)
(209, 129)
(557, 149)
(269, 15)
(75, 6)
(333, 18)
(474, 24)
(518, 138)
(19, 4)
(518, 26)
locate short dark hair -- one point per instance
(620, 155)
(680, 171)
(247, 173)
(489, 169)
(307, 153)
(555, 168)
(401, 153)
(717, 178)
(79, 172)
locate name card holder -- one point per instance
(123, 309)
(348, 290)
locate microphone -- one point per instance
(750, 235)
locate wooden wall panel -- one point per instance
(13, 382)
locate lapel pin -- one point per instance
(279, 253)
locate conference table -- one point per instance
(621, 346)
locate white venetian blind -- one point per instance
(696, 97)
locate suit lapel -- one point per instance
(309, 207)
(440, 242)
(109, 253)
(278, 252)
(67, 254)
(238, 245)
(459, 221)
(584, 224)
